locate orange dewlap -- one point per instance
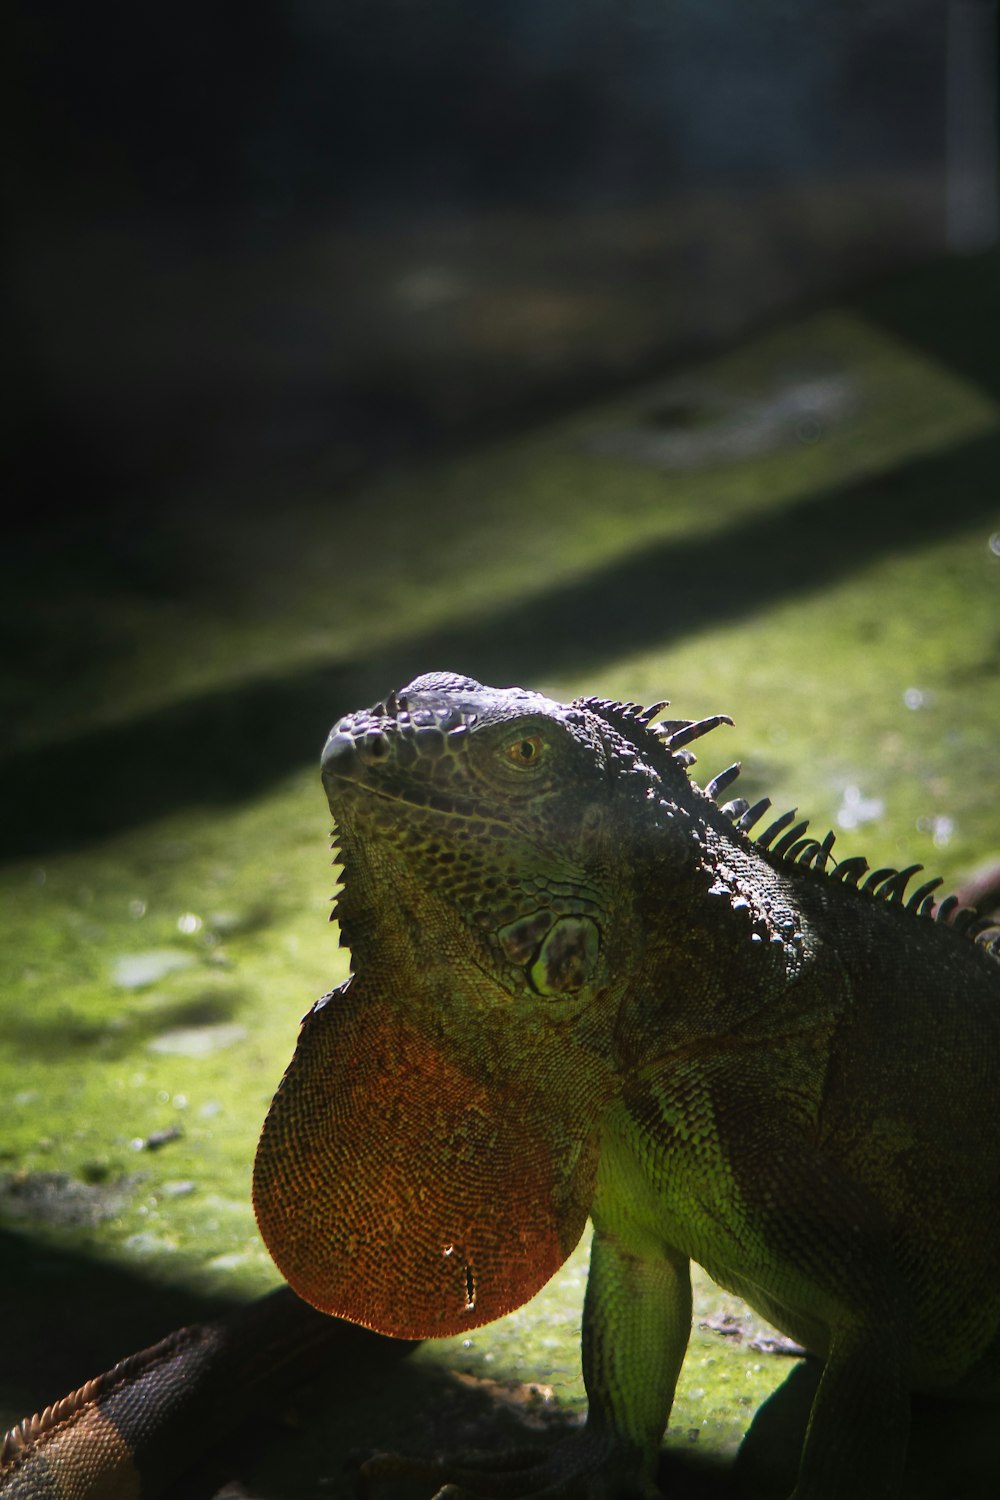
(395, 1190)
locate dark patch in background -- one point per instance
(210, 208)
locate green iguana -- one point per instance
(582, 987)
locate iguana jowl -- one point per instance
(581, 987)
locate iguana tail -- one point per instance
(130, 1432)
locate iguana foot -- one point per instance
(582, 1467)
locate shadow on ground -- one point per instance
(115, 1311)
(308, 1427)
(304, 1436)
(231, 745)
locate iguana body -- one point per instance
(581, 988)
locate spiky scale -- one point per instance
(785, 843)
(918, 900)
(647, 715)
(895, 889)
(725, 778)
(824, 854)
(878, 877)
(695, 730)
(805, 852)
(754, 814)
(632, 720)
(851, 870)
(770, 833)
(736, 808)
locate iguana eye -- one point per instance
(526, 751)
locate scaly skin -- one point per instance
(580, 988)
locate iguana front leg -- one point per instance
(636, 1328)
(637, 1319)
(636, 1324)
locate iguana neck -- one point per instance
(727, 947)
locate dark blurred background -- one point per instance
(260, 239)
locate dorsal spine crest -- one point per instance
(784, 840)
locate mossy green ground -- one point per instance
(804, 533)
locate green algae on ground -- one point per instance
(836, 591)
(85, 1038)
(724, 1377)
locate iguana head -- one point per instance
(428, 1161)
(491, 809)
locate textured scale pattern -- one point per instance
(750, 1058)
(582, 985)
(385, 1162)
